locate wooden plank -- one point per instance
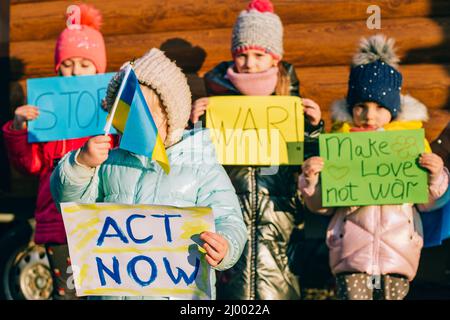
(336, 46)
(438, 121)
(137, 17)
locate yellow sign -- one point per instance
(249, 130)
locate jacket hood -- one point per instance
(411, 110)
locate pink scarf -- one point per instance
(254, 84)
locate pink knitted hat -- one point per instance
(83, 40)
(259, 28)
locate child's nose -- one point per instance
(250, 62)
(370, 114)
(76, 69)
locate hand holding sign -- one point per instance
(198, 109)
(95, 151)
(433, 163)
(23, 114)
(216, 247)
(311, 169)
(312, 111)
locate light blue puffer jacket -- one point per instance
(195, 179)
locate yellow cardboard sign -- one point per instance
(256, 130)
(138, 250)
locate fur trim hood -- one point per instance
(411, 110)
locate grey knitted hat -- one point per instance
(157, 72)
(258, 27)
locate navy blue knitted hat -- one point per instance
(374, 76)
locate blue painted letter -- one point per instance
(181, 273)
(130, 232)
(115, 274)
(167, 223)
(131, 268)
(111, 222)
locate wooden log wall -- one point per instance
(320, 39)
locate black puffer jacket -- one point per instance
(271, 210)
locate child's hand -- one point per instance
(312, 111)
(23, 114)
(198, 109)
(432, 162)
(216, 247)
(95, 151)
(311, 169)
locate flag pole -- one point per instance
(108, 124)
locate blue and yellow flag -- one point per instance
(131, 116)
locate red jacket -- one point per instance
(39, 159)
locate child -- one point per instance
(269, 203)
(91, 174)
(375, 246)
(80, 50)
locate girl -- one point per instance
(80, 50)
(91, 174)
(375, 250)
(269, 203)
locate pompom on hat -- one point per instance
(159, 73)
(258, 27)
(82, 39)
(374, 76)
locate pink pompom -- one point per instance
(261, 5)
(90, 16)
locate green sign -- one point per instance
(367, 168)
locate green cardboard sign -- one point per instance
(372, 168)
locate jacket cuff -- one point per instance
(76, 172)
(8, 130)
(438, 185)
(309, 128)
(231, 257)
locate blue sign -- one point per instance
(69, 107)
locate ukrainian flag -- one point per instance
(131, 116)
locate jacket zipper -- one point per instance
(158, 178)
(375, 261)
(253, 234)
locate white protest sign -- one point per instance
(138, 250)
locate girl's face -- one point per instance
(157, 110)
(370, 115)
(254, 61)
(77, 67)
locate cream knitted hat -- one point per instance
(258, 27)
(157, 72)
